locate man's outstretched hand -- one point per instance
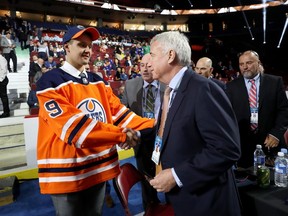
(131, 139)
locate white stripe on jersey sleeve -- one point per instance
(68, 124)
(85, 133)
(128, 120)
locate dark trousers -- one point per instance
(4, 96)
(88, 202)
(11, 55)
(23, 44)
(147, 166)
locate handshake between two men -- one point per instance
(132, 139)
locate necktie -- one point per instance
(163, 119)
(150, 99)
(164, 110)
(253, 100)
(84, 78)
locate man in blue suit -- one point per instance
(200, 142)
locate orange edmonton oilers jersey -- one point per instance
(79, 126)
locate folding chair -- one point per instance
(123, 183)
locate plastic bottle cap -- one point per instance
(280, 154)
(258, 146)
(284, 150)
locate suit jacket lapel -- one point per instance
(139, 90)
(261, 91)
(243, 93)
(176, 102)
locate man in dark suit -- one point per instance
(200, 142)
(271, 115)
(204, 68)
(135, 97)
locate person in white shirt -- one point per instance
(3, 86)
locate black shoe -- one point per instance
(15, 71)
(5, 115)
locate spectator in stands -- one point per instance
(103, 47)
(34, 69)
(99, 62)
(3, 86)
(39, 74)
(9, 45)
(50, 63)
(22, 36)
(107, 57)
(128, 61)
(117, 74)
(39, 34)
(43, 50)
(107, 67)
(139, 51)
(32, 98)
(135, 72)
(204, 68)
(96, 71)
(146, 48)
(32, 46)
(119, 52)
(123, 75)
(52, 50)
(137, 59)
(121, 90)
(115, 64)
(60, 63)
(59, 50)
(132, 51)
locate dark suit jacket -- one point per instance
(272, 116)
(132, 98)
(219, 83)
(201, 141)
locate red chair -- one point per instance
(34, 111)
(123, 183)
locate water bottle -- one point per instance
(259, 158)
(280, 176)
(284, 150)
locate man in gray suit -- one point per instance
(9, 46)
(135, 97)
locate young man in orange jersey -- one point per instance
(80, 123)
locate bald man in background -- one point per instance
(204, 68)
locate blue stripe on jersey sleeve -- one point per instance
(76, 129)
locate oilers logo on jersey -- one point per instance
(93, 109)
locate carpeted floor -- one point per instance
(31, 203)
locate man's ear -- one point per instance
(66, 47)
(171, 56)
